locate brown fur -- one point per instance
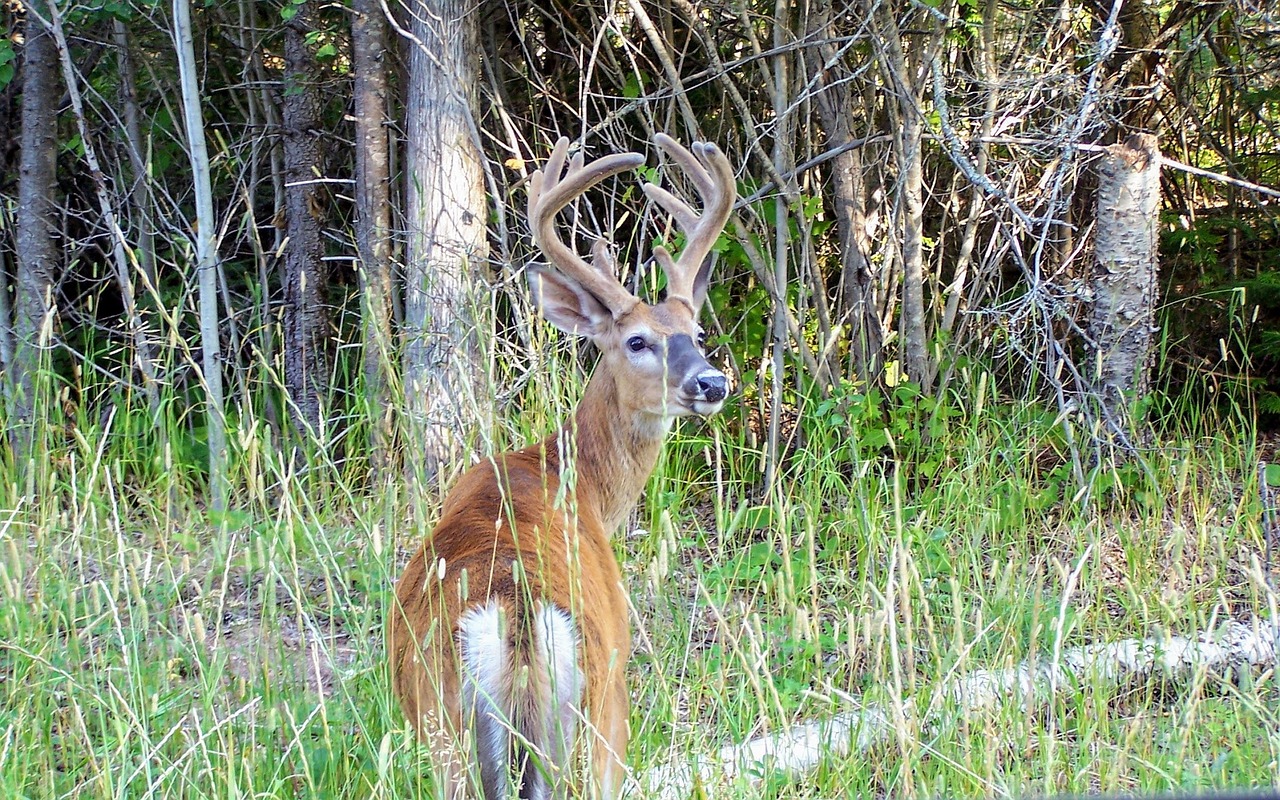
(505, 511)
(533, 527)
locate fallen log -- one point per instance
(799, 749)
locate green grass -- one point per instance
(147, 650)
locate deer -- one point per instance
(509, 636)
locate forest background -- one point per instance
(263, 299)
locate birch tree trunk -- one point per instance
(206, 254)
(373, 219)
(37, 254)
(305, 317)
(446, 219)
(1121, 325)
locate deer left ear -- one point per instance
(564, 303)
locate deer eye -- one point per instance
(636, 344)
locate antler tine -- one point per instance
(549, 192)
(712, 176)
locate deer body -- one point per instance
(509, 639)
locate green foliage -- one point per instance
(632, 89)
(291, 8)
(1227, 320)
(7, 58)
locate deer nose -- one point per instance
(712, 387)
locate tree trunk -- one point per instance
(908, 137)
(858, 303)
(373, 220)
(782, 159)
(37, 253)
(1121, 325)
(446, 219)
(1135, 55)
(206, 254)
(138, 194)
(305, 278)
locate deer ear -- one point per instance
(564, 303)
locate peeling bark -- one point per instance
(1121, 325)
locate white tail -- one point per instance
(509, 639)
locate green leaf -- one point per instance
(1272, 473)
(634, 87)
(758, 518)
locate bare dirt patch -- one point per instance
(266, 636)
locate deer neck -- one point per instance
(613, 449)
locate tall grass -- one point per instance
(149, 649)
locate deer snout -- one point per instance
(713, 387)
(709, 385)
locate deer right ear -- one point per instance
(565, 304)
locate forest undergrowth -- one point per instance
(151, 649)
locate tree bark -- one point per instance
(904, 75)
(37, 253)
(373, 220)
(305, 276)
(138, 194)
(206, 253)
(446, 219)
(858, 283)
(1121, 325)
(782, 158)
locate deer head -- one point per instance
(655, 353)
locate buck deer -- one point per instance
(510, 638)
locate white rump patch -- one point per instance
(558, 651)
(485, 704)
(487, 681)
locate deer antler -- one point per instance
(550, 190)
(712, 176)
